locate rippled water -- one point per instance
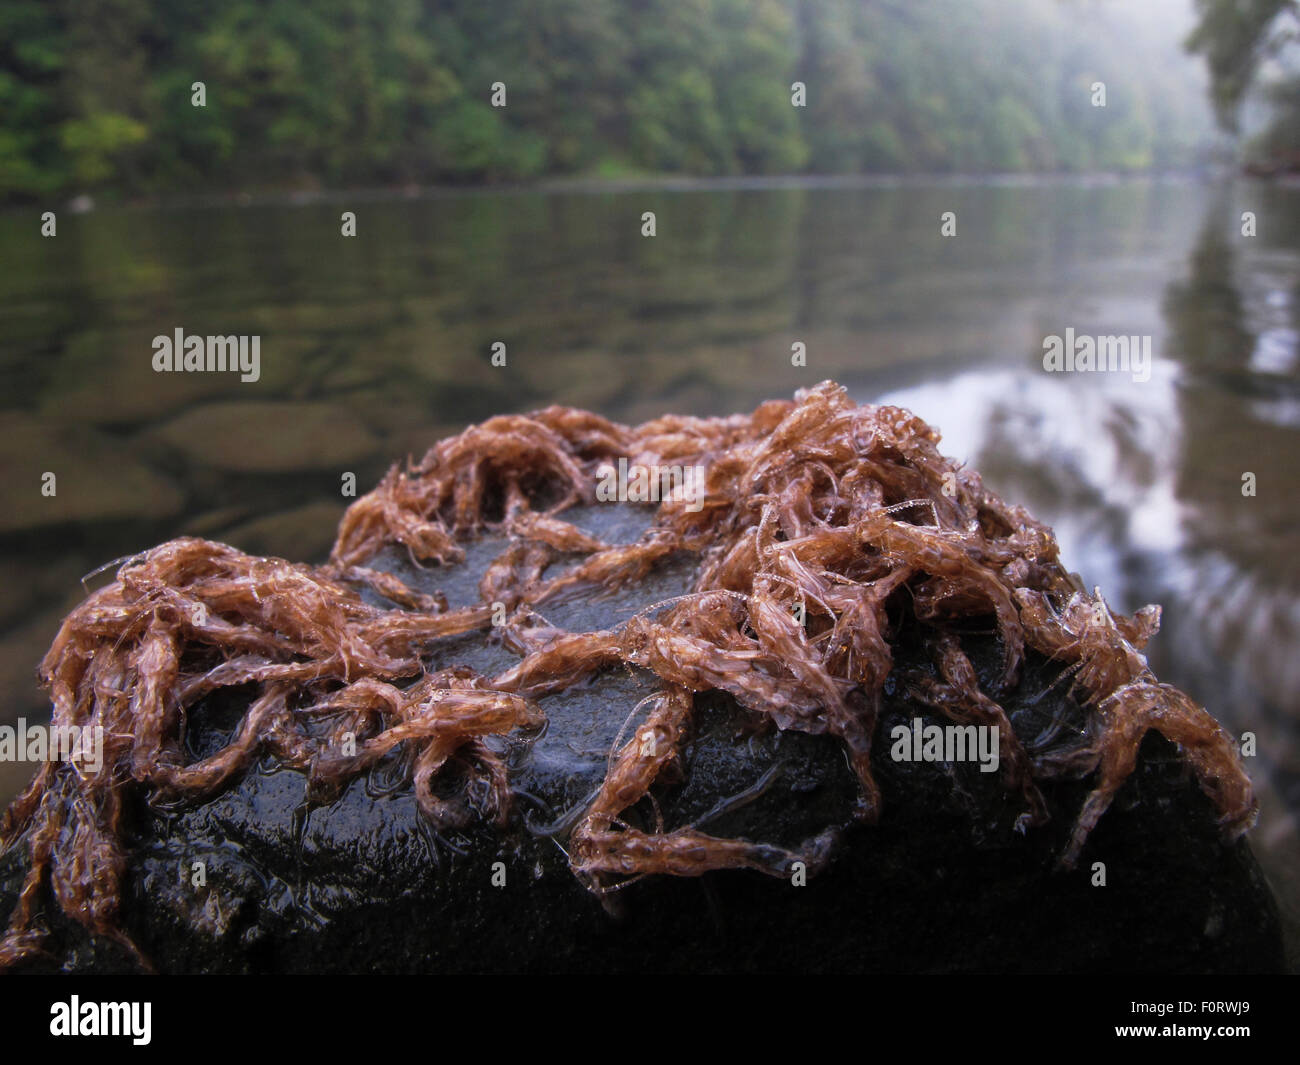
(375, 346)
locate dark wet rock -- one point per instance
(943, 883)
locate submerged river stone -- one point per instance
(284, 865)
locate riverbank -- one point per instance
(595, 184)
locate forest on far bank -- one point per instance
(100, 97)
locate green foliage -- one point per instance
(348, 92)
(1235, 36)
(471, 141)
(33, 50)
(94, 143)
(1277, 146)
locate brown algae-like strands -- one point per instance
(822, 534)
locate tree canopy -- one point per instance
(340, 93)
(1239, 38)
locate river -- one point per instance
(373, 346)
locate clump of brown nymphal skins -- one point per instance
(847, 511)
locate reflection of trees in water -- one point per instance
(1234, 619)
(1226, 433)
(1143, 485)
(1205, 315)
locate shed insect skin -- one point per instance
(1111, 675)
(845, 515)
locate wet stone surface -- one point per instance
(943, 883)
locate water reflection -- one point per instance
(1143, 483)
(373, 347)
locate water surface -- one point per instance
(373, 347)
